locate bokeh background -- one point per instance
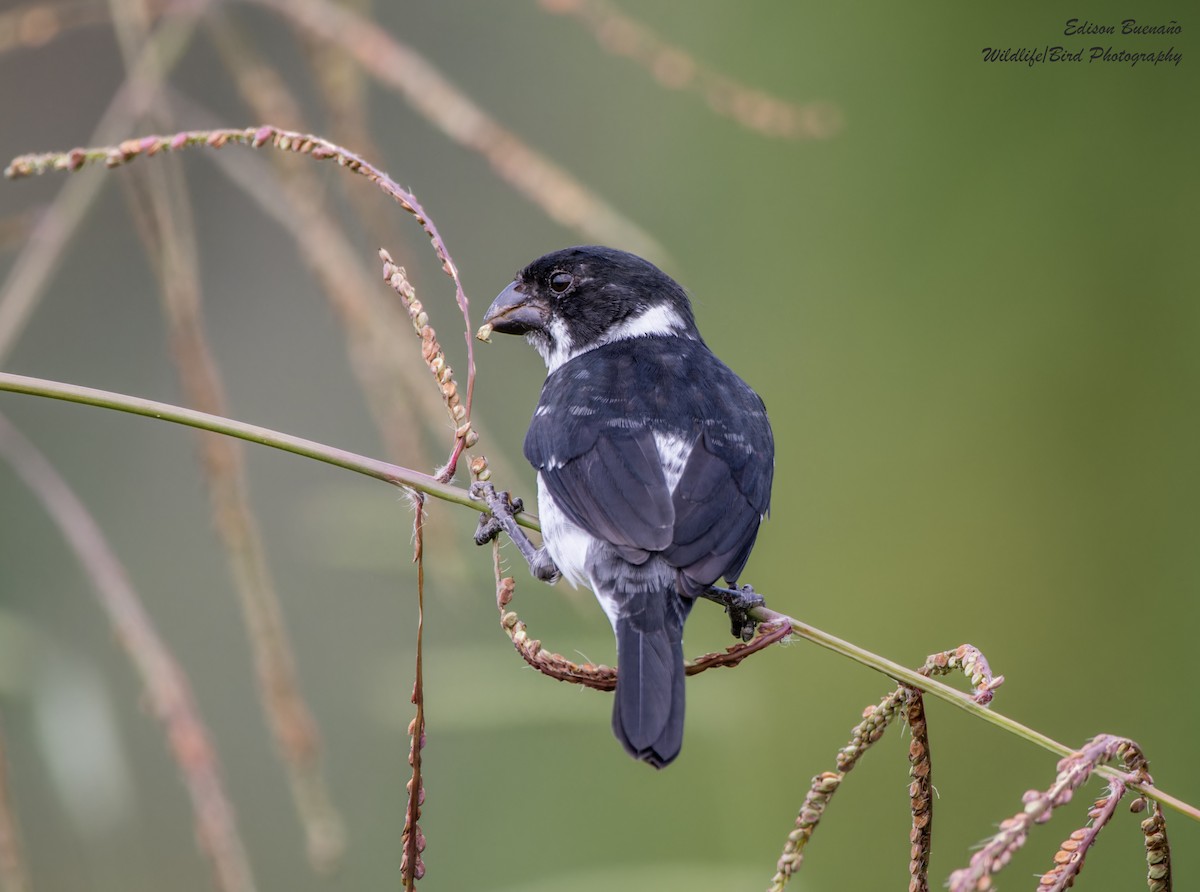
(971, 308)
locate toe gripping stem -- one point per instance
(738, 603)
(501, 516)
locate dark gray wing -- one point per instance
(593, 445)
(592, 440)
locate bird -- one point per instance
(654, 464)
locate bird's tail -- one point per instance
(648, 709)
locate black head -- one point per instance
(577, 299)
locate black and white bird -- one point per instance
(654, 464)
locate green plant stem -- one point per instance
(371, 467)
(400, 476)
(942, 691)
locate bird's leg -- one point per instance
(503, 517)
(738, 603)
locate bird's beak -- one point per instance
(513, 312)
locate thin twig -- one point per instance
(167, 688)
(412, 839)
(425, 483)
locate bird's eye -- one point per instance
(560, 282)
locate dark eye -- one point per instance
(560, 282)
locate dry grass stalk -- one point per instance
(14, 871)
(676, 69)
(971, 662)
(379, 355)
(920, 794)
(38, 260)
(1068, 860)
(165, 227)
(1158, 849)
(162, 210)
(167, 690)
(435, 360)
(401, 68)
(1073, 770)
(412, 840)
(288, 141)
(876, 719)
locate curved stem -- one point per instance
(371, 467)
(400, 476)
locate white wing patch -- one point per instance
(673, 453)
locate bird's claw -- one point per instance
(542, 567)
(501, 516)
(490, 525)
(738, 604)
(487, 529)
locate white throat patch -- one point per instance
(658, 320)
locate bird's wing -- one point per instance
(593, 441)
(725, 488)
(594, 448)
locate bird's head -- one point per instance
(577, 299)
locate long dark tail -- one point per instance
(648, 709)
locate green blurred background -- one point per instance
(973, 314)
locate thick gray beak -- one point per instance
(513, 312)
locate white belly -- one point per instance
(569, 546)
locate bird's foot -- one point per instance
(501, 516)
(738, 604)
(499, 504)
(542, 567)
